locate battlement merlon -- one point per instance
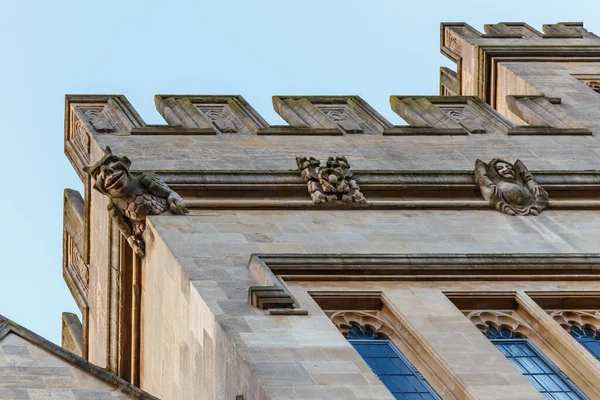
(476, 53)
(224, 133)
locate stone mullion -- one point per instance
(424, 353)
(565, 346)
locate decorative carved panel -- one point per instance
(76, 268)
(341, 114)
(210, 114)
(223, 118)
(455, 114)
(344, 117)
(100, 118)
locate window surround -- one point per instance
(372, 310)
(273, 272)
(549, 364)
(519, 312)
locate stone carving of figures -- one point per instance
(132, 197)
(331, 183)
(510, 188)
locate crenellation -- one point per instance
(286, 249)
(459, 114)
(568, 30)
(511, 30)
(476, 54)
(449, 85)
(539, 111)
(210, 114)
(312, 115)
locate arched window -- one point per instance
(588, 338)
(583, 325)
(394, 370)
(550, 381)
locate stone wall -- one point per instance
(198, 267)
(29, 372)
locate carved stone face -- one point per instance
(505, 170)
(111, 174)
(113, 178)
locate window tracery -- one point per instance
(508, 333)
(370, 337)
(583, 326)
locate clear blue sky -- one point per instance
(139, 48)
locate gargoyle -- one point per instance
(132, 197)
(332, 183)
(510, 188)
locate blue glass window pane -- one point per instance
(396, 373)
(546, 377)
(588, 338)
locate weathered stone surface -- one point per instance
(132, 198)
(72, 339)
(200, 337)
(332, 183)
(33, 368)
(510, 188)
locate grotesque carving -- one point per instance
(332, 183)
(132, 197)
(510, 188)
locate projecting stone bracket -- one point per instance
(273, 294)
(270, 298)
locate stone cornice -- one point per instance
(272, 271)
(383, 189)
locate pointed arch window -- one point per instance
(583, 326)
(550, 381)
(588, 338)
(386, 361)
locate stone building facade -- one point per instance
(341, 256)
